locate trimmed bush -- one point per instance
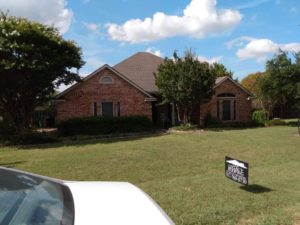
(10, 136)
(210, 121)
(275, 122)
(260, 116)
(30, 137)
(104, 125)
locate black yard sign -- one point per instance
(236, 170)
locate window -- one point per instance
(118, 110)
(95, 111)
(107, 109)
(106, 80)
(226, 95)
(234, 110)
(218, 109)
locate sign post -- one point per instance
(236, 170)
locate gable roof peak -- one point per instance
(220, 80)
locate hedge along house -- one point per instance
(129, 89)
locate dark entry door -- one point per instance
(226, 110)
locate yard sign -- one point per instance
(236, 170)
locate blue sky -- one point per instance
(241, 34)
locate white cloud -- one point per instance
(259, 49)
(210, 60)
(199, 19)
(48, 12)
(92, 26)
(155, 51)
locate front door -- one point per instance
(226, 110)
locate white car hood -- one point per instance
(114, 203)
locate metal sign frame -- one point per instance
(237, 170)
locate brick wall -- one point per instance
(79, 101)
(243, 104)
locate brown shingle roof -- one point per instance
(140, 69)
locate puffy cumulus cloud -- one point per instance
(199, 18)
(259, 49)
(48, 12)
(210, 60)
(155, 51)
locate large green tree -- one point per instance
(219, 70)
(251, 82)
(184, 82)
(281, 84)
(35, 59)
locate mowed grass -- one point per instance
(184, 173)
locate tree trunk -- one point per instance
(178, 112)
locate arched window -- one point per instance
(226, 95)
(106, 80)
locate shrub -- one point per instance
(7, 131)
(260, 116)
(30, 137)
(10, 136)
(104, 125)
(210, 121)
(275, 122)
(186, 127)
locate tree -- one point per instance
(251, 82)
(219, 70)
(35, 60)
(184, 82)
(281, 84)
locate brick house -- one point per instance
(128, 88)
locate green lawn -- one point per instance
(184, 173)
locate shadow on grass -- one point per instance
(256, 189)
(88, 140)
(11, 164)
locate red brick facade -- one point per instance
(127, 89)
(237, 99)
(126, 99)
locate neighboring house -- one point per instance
(129, 88)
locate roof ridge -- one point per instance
(136, 54)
